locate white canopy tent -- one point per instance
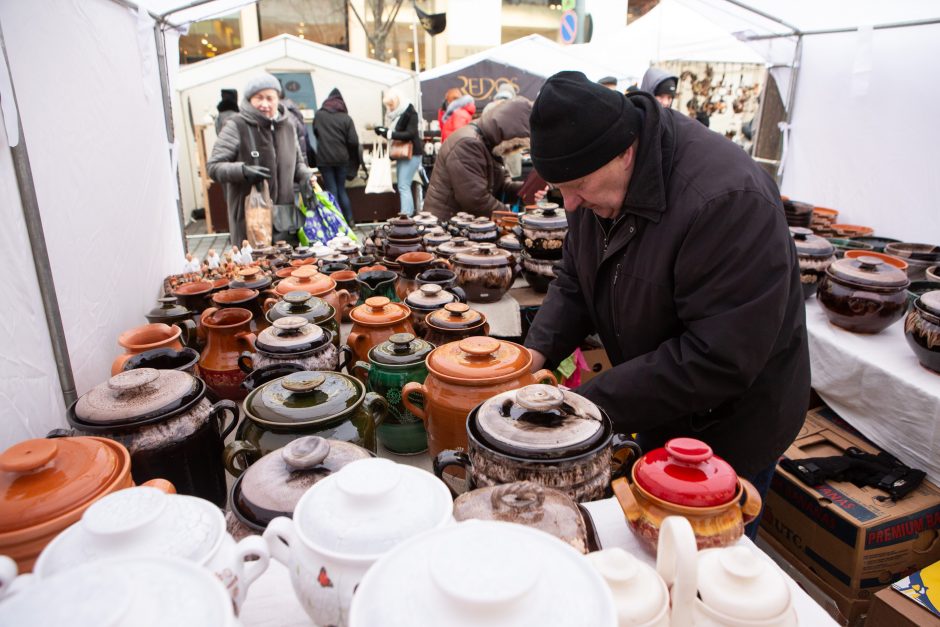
(360, 80)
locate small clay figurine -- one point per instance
(191, 266)
(236, 255)
(246, 247)
(212, 260)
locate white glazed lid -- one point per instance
(741, 584)
(138, 592)
(370, 506)
(639, 593)
(483, 573)
(137, 522)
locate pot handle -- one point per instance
(245, 362)
(62, 433)
(267, 303)
(451, 458)
(187, 332)
(752, 503)
(440, 263)
(413, 387)
(239, 449)
(246, 338)
(160, 484)
(250, 561)
(545, 376)
(346, 357)
(462, 298)
(621, 443)
(279, 536)
(366, 368)
(219, 410)
(118, 364)
(377, 407)
(624, 496)
(677, 564)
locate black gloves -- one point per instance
(381, 131)
(255, 173)
(880, 471)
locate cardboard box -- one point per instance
(848, 536)
(597, 361)
(890, 608)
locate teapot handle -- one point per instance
(239, 449)
(377, 407)
(462, 298)
(752, 504)
(250, 561)
(676, 563)
(246, 338)
(366, 368)
(346, 357)
(545, 376)
(280, 537)
(619, 444)
(624, 495)
(267, 304)
(413, 387)
(245, 362)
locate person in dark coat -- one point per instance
(337, 149)
(661, 84)
(401, 123)
(468, 174)
(227, 107)
(678, 255)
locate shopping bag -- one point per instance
(324, 220)
(380, 172)
(258, 208)
(401, 149)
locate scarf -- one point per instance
(391, 118)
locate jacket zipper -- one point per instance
(274, 144)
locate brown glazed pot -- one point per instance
(374, 322)
(461, 375)
(815, 255)
(485, 274)
(228, 335)
(426, 300)
(294, 340)
(922, 329)
(194, 296)
(145, 338)
(309, 279)
(863, 295)
(454, 322)
(47, 484)
(412, 264)
(246, 299)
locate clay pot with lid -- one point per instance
(401, 235)
(545, 435)
(427, 299)
(311, 308)
(251, 277)
(375, 321)
(454, 322)
(815, 255)
(922, 330)
(392, 364)
(347, 521)
(293, 340)
(919, 257)
(164, 419)
(461, 375)
(863, 295)
(402, 226)
(543, 231)
(484, 274)
(685, 478)
(432, 240)
(309, 279)
(144, 338)
(228, 335)
(425, 219)
(194, 296)
(456, 245)
(482, 230)
(47, 484)
(327, 404)
(538, 273)
(169, 311)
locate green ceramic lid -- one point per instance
(809, 244)
(301, 303)
(401, 349)
(168, 309)
(868, 272)
(304, 398)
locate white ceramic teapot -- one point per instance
(147, 522)
(640, 594)
(345, 522)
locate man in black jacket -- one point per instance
(678, 255)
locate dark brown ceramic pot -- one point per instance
(485, 274)
(427, 299)
(185, 359)
(456, 245)
(543, 231)
(412, 264)
(454, 322)
(294, 340)
(815, 255)
(483, 231)
(863, 295)
(922, 330)
(194, 296)
(538, 273)
(346, 280)
(253, 278)
(545, 435)
(168, 312)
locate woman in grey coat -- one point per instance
(263, 119)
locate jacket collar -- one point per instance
(646, 195)
(253, 116)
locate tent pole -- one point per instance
(766, 16)
(40, 254)
(791, 99)
(163, 68)
(848, 29)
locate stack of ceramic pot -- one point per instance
(815, 255)
(374, 322)
(798, 213)
(543, 233)
(402, 235)
(426, 300)
(919, 257)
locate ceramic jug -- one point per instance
(377, 283)
(228, 335)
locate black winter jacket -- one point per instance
(337, 140)
(406, 128)
(696, 296)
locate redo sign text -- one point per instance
(483, 88)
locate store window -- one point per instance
(527, 17)
(322, 21)
(399, 47)
(210, 38)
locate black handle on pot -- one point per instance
(218, 412)
(620, 466)
(188, 333)
(245, 362)
(345, 359)
(459, 293)
(62, 433)
(377, 406)
(451, 458)
(238, 456)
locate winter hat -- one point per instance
(667, 87)
(505, 91)
(577, 126)
(260, 82)
(608, 80)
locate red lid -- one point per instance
(686, 472)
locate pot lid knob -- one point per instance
(547, 205)
(300, 382)
(297, 297)
(430, 289)
(131, 380)
(304, 273)
(167, 302)
(28, 456)
(306, 452)
(479, 346)
(739, 562)
(800, 232)
(249, 272)
(869, 263)
(688, 450)
(457, 310)
(540, 397)
(485, 248)
(377, 303)
(402, 342)
(290, 323)
(521, 496)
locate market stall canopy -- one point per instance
(182, 12)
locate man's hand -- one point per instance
(540, 195)
(538, 360)
(255, 173)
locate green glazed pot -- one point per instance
(392, 364)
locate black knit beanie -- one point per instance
(667, 87)
(577, 126)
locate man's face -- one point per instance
(665, 100)
(603, 190)
(266, 101)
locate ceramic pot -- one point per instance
(329, 268)
(168, 312)
(47, 484)
(483, 573)
(121, 592)
(425, 219)
(919, 257)
(640, 594)
(426, 300)
(843, 244)
(412, 264)
(373, 323)
(686, 479)
(228, 335)
(283, 273)
(397, 246)
(483, 230)
(544, 231)
(461, 375)
(327, 404)
(457, 245)
(145, 338)
(259, 376)
(401, 226)
(194, 296)
(454, 322)
(244, 298)
(345, 522)
(433, 240)
(511, 244)
(310, 280)
(891, 260)
(251, 277)
(377, 283)
(538, 273)
(294, 340)
(360, 262)
(545, 435)
(346, 280)
(272, 485)
(185, 360)
(485, 274)
(391, 365)
(877, 243)
(312, 309)
(141, 522)
(922, 330)
(815, 255)
(302, 252)
(863, 295)
(530, 504)
(166, 422)
(447, 279)
(932, 274)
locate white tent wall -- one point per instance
(88, 88)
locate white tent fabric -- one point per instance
(197, 86)
(93, 122)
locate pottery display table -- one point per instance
(876, 384)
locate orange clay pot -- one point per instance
(145, 338)
(373, 323)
